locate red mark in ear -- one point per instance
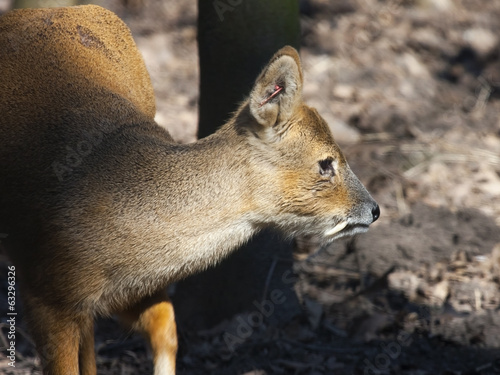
(277, 90)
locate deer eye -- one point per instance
(326, 168)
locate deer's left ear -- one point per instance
(277, 92)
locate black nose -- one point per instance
(376, 212)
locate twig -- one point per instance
(400, 199)
(268, 278)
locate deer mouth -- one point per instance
(343, 229)
(337, 228)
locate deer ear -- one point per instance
(277, 92)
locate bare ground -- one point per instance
(411, 90)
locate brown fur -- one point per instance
(103, 210)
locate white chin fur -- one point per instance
(337, 228)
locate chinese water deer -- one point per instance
(102, 210)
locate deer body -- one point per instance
(103, 209)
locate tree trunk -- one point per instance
(236, 39)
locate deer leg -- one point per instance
(87, 349)
(154, 318)
(57, 337)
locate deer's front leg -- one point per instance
(154, 318)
